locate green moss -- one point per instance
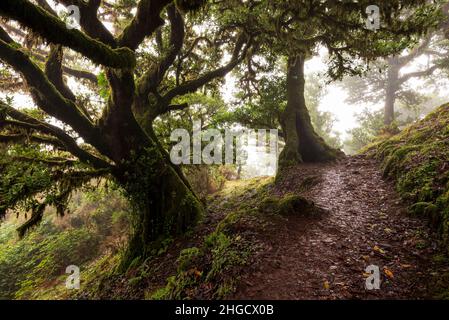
(287, 205)
(440, 258)
(416, 159)
(269, 204)
(160, 294)
(295, 204)
(420, 208)
(208, 265)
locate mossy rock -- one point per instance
(188, 258)
(295, 204)
(233, 218)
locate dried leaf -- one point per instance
(388, 273)
(377, 249)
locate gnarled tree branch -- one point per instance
(146, 21)
(25, 121)
(239, 53)
(55, 31)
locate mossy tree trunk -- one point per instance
(302, 143)
(164, 204)
(390, 90)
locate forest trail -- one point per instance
(324, 257)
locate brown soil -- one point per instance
(360, 221)
(324, 257)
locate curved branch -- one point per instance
(146, 21)
(53, 71)
(80, 74)
(416, 52)
(27, 122)
(89, 21)
(418, 74)
(48, 98)
(55, 31)
(154, 76)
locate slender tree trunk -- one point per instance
(302, 143)
(390, 91)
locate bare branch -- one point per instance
(25, 121)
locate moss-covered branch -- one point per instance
(48, 98)
(89, 21)
(146, 21)
(24, 121)
(151, 79)
(55, 31)
(53, 71)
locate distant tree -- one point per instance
(370, 126)
(386, 82)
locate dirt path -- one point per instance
(365, 223)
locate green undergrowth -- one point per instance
(94, 234)
(207, 271)
(210, 269)
(89, 237)
(417, 159)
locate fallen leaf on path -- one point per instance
(406, 266)
(377, 249)
(366, 258)
(326, 285)
(388, 273)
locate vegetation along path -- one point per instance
(363, 222)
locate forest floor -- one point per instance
(363, 222)
(357, 220)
